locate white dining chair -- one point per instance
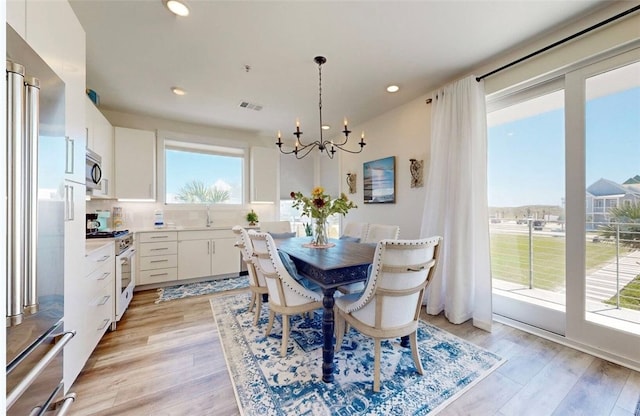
(378, 232)
(389, 307)
(286, 296)
(257, 283)
(277, 229)
(355, 230)
(374, 234)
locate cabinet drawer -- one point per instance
(158, 249)
(98, 258)
(157, 236)
(158, 262)
(104, 275)
(157, 276)
(100, 314)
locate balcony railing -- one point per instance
(529, 256)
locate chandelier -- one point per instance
(300, 149)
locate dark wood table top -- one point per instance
(346, 262)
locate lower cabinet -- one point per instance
(207, 253)
(95, 303)
(157, 257)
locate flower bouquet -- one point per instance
(320, 206)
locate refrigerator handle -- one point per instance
(32, 133)
(24, 384)
(64, 404)
(15, 193)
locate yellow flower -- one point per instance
(317, 191)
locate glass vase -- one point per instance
(321, 238)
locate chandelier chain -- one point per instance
(320, 97)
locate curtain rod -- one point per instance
(560, 42)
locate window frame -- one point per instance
(167, 139)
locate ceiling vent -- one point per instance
(250, 106)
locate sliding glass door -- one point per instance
(564, 197)
(603, 220)
(526, 171)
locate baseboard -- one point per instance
(568, 342)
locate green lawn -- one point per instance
(629, 295)
(510, 259)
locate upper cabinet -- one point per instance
(99, 134)
(55, 34)
(135, 164)
(264, 174)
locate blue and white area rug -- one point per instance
(201, 288)
(267, 384)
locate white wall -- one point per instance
(403, 133)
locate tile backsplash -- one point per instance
(139, 215)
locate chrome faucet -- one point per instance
(209, 220)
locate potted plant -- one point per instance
(252, 217)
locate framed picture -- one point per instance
(380, 181)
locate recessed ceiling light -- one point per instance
(177, 7)
(178, 91)
(326, 127)
(393, 88)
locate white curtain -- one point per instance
(456, 204)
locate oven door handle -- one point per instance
(126, 255)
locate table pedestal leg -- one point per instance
(327, 331)
(404, 341)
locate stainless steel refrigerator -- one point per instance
(35, 208)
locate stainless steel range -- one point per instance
(125, 269)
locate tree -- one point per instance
(627, 218)
(196, 192)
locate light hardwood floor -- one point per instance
(166, 359)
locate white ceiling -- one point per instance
(137, 50)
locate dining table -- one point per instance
(343, 263)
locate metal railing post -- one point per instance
(617, 265)
(530, 221)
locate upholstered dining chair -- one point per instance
(277, 229)
(378, 232)
(374, 233)
(390, 305)
(257, 283)
(355, 230)
(286, 296)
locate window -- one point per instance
(197, 173)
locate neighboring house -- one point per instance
(604, 194)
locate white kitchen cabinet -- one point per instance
(207, 253)
(89, 309)
(99, 133)
(135, 164)
(158, 257)
(56, 35)
(264, 174)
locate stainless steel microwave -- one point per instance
(93, 170)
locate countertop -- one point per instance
(186, 228)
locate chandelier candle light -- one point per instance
(319, 207)
(328, 146)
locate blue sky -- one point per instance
(526, 156)
(207, 168)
